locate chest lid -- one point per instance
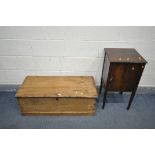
(58, 86)
(126, 55)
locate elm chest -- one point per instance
(57, 95)
(122, 70)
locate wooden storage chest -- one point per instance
(57, 95)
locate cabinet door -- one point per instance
(124, 76)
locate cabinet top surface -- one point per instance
(58, 86)
(126, 55)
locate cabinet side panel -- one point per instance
(106, 70)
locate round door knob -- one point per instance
(142, 66)
(111, 78)
(133, 68)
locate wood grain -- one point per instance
(57, 95)
(54, 106)
(122, 70)
(123, 77)
(125, 55)
(57, 86)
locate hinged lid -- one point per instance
(58, 86)
(126, 55)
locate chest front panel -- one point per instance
(57, 106)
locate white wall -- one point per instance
(69, 50)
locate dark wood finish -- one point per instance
(104, 98)
(122, 70)
(126, 55)
(57, 95)
(131, 98)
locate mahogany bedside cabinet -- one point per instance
(122, 70)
